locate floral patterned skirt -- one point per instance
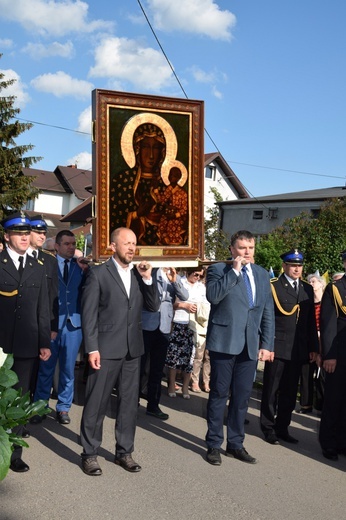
(181, 348)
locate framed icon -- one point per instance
(148, 174)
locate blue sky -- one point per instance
(271, 74)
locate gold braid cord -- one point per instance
(13, 293)
(338, 301)
(296, 307)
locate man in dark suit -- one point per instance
(24, 310)
(296, 343)
(67, 343)
(332, 435)
(112, 303)
(240, 331)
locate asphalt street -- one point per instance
(289, 481)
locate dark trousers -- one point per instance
(279, 394)
(333, 421)
(26, 369)
(155, 346)
(124, 374)
(229, 373)
(307, 384)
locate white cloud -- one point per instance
(125, 59)
(6, 43)
(38, 50)
(17, 89)
(82, 160)
(202, 17)
(84, 121)
(52, 17)
(216, 92)
(210, 78)
(61, 84)
(202, 76)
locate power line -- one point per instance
(54, 126)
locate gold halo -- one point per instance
(126, 140)
(177, 164)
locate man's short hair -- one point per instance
(64, 232)
(241, 235)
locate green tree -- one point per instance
(321, 239)
(216, 241)
(15, 188)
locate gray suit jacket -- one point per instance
(112, 321)
(232, 324)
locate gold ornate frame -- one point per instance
(116, 117)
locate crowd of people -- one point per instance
(136, 323)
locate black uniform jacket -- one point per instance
(333, 322)
(295, 334)
(24, 308)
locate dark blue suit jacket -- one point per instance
(232, 324)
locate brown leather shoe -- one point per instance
(127, 462)
(91, 467)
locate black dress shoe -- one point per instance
(63, 417)
(271, 438)
(127, 462)
(19, 466)
(287, 437)
(158, 414)
(37, 419)
(330, 454)
(213, 456)
(25, 433)
(305, 410)
(241, 454)
(91, 467)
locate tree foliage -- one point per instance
(321, 239)
(15, 188)
(216, 241)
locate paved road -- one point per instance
(176, 482)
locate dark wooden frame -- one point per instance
(112, 112)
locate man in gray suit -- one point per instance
(240, 331)
(112, 302)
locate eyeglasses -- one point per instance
(198, 275)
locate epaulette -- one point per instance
(273, 280)
(338, 301)
(48, 252)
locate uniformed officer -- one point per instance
(37, 239)
(332, 435)
(296, 342)
(24, 309)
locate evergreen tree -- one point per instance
(15, 188)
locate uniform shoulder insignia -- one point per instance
(273, 280)
(48, 253)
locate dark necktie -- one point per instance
(34, 254)
(66, 270)
(295, 286)
(21, 266)
(248, 286)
